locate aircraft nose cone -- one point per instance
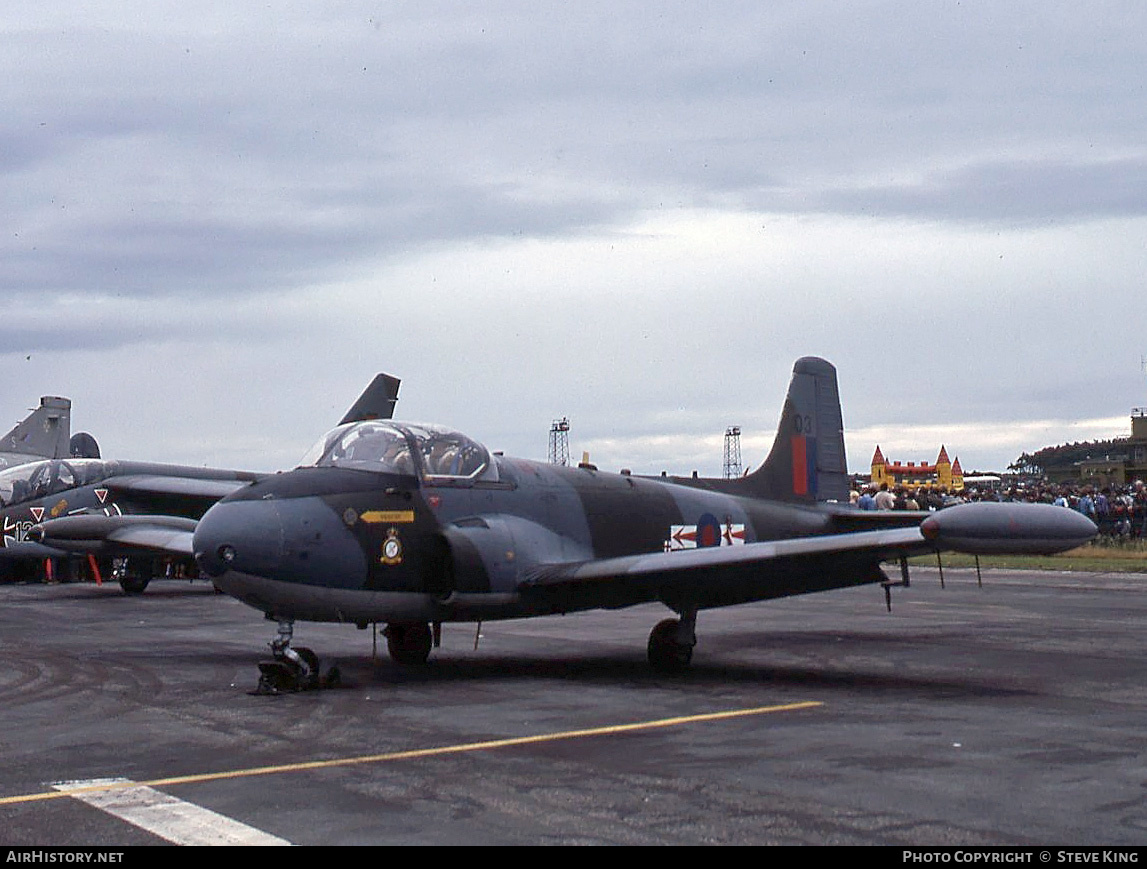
(239, 535)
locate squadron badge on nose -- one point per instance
(391, 547)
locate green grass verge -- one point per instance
(1101, 556)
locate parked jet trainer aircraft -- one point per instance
(416, 525)
(119, 505)
(43, 434)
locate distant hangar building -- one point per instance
(1114, 462)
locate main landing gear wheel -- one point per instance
(409, 643)
(134, 584)
(292, 669)
(669, 651)
(133, 575)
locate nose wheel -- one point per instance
(290, 669)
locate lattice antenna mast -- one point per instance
(560, 442)
(732, 464)
(1141, 411)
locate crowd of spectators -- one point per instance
(1120, 512)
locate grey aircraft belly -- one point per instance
(415, 526)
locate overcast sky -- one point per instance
(221, 220)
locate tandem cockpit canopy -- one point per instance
(40, 479)
(434, 453)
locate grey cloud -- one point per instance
(289, 237)
(32, 341)
(1018, 192)
(277, 154)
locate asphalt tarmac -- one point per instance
(1014, 714)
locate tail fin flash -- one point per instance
(807, 461)
(45, 432)
(376, 402)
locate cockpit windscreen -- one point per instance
(432, 452)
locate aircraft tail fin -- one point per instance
(45, 432)
(376, 402)
(807, 462)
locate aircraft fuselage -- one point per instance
(332, 544)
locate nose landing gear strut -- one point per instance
(292, 669)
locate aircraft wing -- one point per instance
(728, 574)
(756, 571)
(184, 487)
(27, 549)
(880, 545)
(99, 534)
(155, 538)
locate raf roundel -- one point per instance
(708, 531)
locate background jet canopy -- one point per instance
(415, 449)
(41, 479)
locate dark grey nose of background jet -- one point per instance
(239, 535)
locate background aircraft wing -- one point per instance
(183, 487)
(99, 534)
(155, 538)
(27, 549)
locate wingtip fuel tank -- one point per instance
(989, 528)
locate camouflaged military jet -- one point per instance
(44, 434)
(413, 526)
(120, 516)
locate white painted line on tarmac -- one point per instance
(167, 817)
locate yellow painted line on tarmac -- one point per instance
(608, 730)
